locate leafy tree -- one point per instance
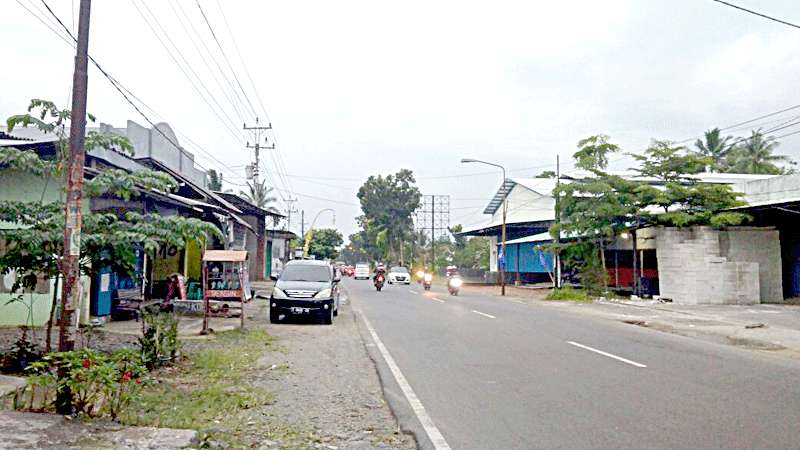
(34, 246)
(595, 210)
(716, 148)
(547, 174)
(325, 243)
(474, 254)
(755, 155)
(593, 152)
(214, 180)
(259, 194)
(388, 204)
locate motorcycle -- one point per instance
(379, 280)
(454, 284)
(427, 280)
(420, 276)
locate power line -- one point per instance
(230, 124)
(774, 19)
(203, 57)
(117, 85)
(214, 35)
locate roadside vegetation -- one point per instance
(209, 391)
(568, 293)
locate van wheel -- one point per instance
(274, 317)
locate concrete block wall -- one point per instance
(692, 268)
(763, 246)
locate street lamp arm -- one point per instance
(471, 160)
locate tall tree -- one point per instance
(259, 194)
(325, 243)
(755, 155)
(388, 204)
(715, 147)
(214, 180)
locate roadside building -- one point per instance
(151, 278)
(531, 211)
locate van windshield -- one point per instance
(300, 272)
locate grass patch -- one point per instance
(568, 293)
(209, 390)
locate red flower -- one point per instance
(138, 381)
(87, 363)
(126, 376)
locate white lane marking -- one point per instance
(437, 299)
(600, 352)
(484, 314)
(413, 292)
(439, 443)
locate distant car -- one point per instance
(361, 272)
(399, 275)
(306, 288)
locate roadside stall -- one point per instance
(226, 284)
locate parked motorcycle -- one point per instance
(427, 280)
(379, 280)
(454, 284)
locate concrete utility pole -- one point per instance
(257, 129)
(70, 270)
(303, 223)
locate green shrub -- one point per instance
(159, 343)
(569, 293)
(99, 384)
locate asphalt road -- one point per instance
(495, 374)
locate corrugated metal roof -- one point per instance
(225, 255)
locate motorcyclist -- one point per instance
(379, 270)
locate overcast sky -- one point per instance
(355, 88)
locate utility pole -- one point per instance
(557, 252)
(257, 130)
(70, 269)
(303, 223)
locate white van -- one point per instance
(362, 271)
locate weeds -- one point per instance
(568, 293)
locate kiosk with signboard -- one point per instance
(225, 284)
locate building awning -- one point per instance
(225, 255)
(494, 228)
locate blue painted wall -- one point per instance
(531, 259)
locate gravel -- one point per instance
(325, 383)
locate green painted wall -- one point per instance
(24, 187)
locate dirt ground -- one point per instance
(323, 381)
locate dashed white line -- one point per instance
(413, 292)
(437, 299)
(600, 352)
(439, 443)
(484, 314)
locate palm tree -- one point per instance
(754, 155)
(259, 194)
(715, 147)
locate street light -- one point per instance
(505, 209)
(310, 232)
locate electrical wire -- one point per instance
(116, 84)
(230, 125)
(774, 19)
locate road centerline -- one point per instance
(413, 292)
(484, 314)
(438, 441)
(437, 299)
(609, 355)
